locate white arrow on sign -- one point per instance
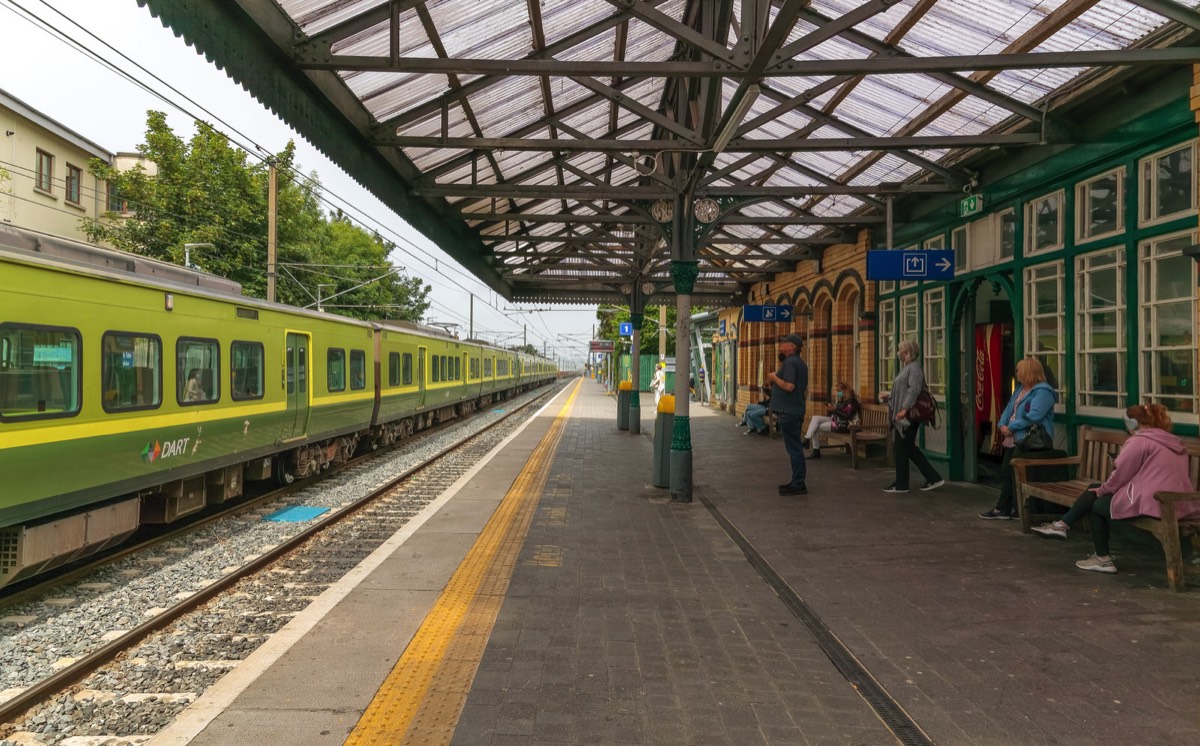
(944, 265)
(785, 313)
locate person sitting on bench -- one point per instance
(839, 415)
(1152, 460)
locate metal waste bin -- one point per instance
(664, 426)
(624, 394)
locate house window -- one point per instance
(1044, 224)
(74, 179)
(1044, 317)
(960, 246)
(335, 361)
(935, 340)
(1099, 206)
(44, 175)
(887, 344)
(1168, 322)
(1168, 184)
(1008, 234)
(1100, 328)
(908, 317)
(113, 202)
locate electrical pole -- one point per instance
(472, 334)
(662, 333)
(525, 342)
(271, 233)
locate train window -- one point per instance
(130, 371)
(39, 372)
(474, 368)
(394, 368)
(434, 369)
(457, 369)
(407, 373)
(358, 370)
(487, 367)
(246, 370)
(336, 364)
(197, 368)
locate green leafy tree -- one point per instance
(611, 317)
(205, 191)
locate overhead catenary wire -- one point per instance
(248, 145)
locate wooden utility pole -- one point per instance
(271, 234)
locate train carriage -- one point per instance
(129, 397)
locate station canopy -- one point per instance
(548, 144)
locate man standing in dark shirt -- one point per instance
(787, 402)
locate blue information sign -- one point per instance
(766, 313)
(910, 265)
(721, 329)
(625, 329)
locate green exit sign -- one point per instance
(970, 206)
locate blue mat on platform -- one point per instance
(295, 514)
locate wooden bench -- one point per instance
(872, 428)
(1093, 465)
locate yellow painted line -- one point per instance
(421, 699)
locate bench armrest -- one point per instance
(1174, 497)
(1021, 464)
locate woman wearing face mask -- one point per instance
(908, 384)
(837, 420)
(1152, 460)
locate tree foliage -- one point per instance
(611, 317)
(205, 191)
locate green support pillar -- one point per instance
(684, 273)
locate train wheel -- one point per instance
(284, 473)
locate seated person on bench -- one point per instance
(837, 420)
(1152, 460)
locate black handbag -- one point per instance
(1036, 439)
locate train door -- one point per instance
(422, 352)
(295, 421)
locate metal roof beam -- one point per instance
(624, 193)
(788, 145)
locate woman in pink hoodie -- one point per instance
(1152, 460)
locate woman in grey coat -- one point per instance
(909, 382)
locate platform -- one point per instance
(733, 619)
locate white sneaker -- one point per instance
(1054, 529)
(891, 488)
(933, 485)
(1095, 564)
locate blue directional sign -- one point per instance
(766, 313)
(625, 329)
(910, 265)
(721, 330)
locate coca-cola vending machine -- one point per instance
(994, 370)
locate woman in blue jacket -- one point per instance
(1031, 404)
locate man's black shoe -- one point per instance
(790, 490)
(815, 454)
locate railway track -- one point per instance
(136, 664)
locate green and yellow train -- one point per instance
(134, 391)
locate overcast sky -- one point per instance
(55, 77)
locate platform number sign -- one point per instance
(625, 329)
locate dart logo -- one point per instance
(154, 451)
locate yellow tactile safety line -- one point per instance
(421, 699)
